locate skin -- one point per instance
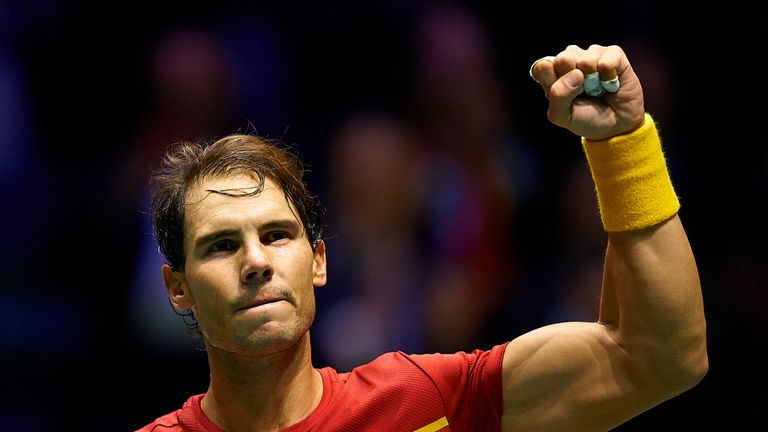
(649, 343)
(249, 277)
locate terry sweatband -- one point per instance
(631, 179)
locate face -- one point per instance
(249, 271)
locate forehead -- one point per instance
(229, 184)
(233, 196)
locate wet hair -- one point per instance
(186, 164)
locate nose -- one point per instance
(256, 266)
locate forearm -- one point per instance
(651, 293)
(657, 312)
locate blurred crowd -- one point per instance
(456, 216)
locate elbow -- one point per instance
(690, 374)
(693, 363)
(671, 369)
(685, 370)
(696, 369)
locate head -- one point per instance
(187, 163)
(238, 227)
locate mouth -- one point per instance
(260, 302)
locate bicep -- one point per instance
(570, 376)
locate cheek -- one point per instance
(208, 287)
(205, 303)
(299, 260)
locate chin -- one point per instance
(270, 341)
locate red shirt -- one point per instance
(394, 392)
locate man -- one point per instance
(241, 236)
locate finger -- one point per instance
(607, 73)
(611, 62)
(587, 62)
(543, 72)
(561, 96)
(611, 85)
(608, 65)
(566, 61)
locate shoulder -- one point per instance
(398, 369)
(399, 391)
(181, 419)
(390, 372)
(460, 362)
(168, 422)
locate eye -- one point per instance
(222, 246)
(274, 236)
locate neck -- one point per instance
(265, 393)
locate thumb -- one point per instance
(562, 93)
(569, 85)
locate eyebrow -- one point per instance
(213, 237)
(284, 224)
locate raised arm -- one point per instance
(649, 343)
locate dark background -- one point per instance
(84, 115)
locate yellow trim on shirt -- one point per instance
(434, 426)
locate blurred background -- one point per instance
(457, 217)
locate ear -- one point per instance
(178, 290)
(319, 270)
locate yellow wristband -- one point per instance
(630, 173)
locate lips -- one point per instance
(260, 301)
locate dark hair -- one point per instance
(186, 163)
